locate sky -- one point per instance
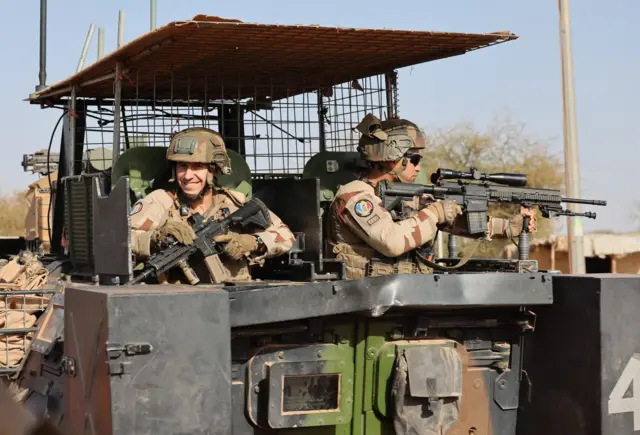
(521, 79)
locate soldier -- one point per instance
(196, 155)
(364, 234)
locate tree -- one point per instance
(503, 147)
(13, 210)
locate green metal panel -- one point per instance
(358, 393)
(144, 165)
(379, 334)
(333, 168)
(276, 366)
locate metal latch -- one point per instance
(421, 327)
(115, 351)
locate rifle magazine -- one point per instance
(218, 272)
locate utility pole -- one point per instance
(152, 16)
(571, 170)
(120, 28)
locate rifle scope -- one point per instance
(513, 180)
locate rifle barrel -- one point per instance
(142, 276)
(585, 201)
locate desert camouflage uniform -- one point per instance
(161, 206)
(155, 209)
(362, 230)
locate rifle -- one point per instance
(173, 253)
(474, 198)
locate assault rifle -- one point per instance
(474, 198)
(173, 253)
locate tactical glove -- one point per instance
(446, 210)
(180, 231)
(237, 245)
(425, 200)
(515, 223)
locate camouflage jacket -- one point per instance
(154, 210)
(361, 228)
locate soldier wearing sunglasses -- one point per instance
(364, 235)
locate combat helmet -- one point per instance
(389, 141)
(199, 145)
(411, 129)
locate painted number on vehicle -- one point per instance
(619, 404)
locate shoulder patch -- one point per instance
(136, 208)
(363, 208)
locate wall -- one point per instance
(626, 264)
(629, 263)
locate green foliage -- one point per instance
(13, 210)
(503, 147)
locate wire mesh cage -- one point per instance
(19, 311)
(274, 135)
(278, 94)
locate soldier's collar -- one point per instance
(364, 179)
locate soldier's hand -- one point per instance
(237, 245)
(425, 200)
(515, 223)
(179, 230)
(446, 210)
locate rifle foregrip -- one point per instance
(523, 244)
(188, 272)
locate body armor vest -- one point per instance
(361, 260)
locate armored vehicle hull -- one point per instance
(361, 356)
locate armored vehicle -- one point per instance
(298, 348)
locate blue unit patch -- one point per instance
(136, 208)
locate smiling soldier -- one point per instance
(196, 156)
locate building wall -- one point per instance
(626, 264)
(543, 255)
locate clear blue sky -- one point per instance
(521, 77)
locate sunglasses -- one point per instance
(414, 158)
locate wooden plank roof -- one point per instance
(214, 58)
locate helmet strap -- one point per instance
(200, 194)
(398, 172)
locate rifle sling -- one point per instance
(467, 256)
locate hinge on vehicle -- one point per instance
(68, 365)
(527, 322)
